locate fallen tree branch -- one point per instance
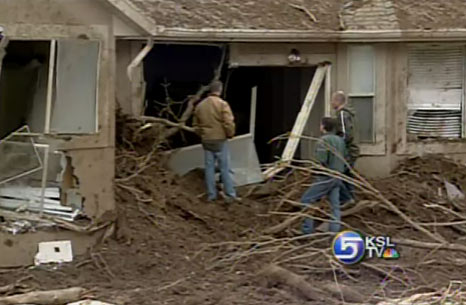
(165, 122)
(15, 287)
(305, 10)
(193, 99)
(427, 245)
(274, 275)
(52, 297)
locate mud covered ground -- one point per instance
(172, 247)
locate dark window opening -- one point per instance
(23, 86)
(172, 74)
(280, 94)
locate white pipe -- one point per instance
(139, 58)
(3, 44)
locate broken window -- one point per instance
(435, 86)
(362, 89)
(36, 178)
(50, 86)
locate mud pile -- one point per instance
(172, 247)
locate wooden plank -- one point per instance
(252, 123)
(328, 90)
(300, 123)
(301, 120)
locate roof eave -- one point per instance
(128, 12)
(243, 35)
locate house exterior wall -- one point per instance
(392, 144)
(92, 155)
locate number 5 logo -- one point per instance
(348, 247)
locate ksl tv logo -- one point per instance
(351, 247)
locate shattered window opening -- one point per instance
(39, 87)
(33, 179)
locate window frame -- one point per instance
(372, 94)
(463, 92)
(51, 83)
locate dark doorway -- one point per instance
(280, 94)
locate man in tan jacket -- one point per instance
(214, 123)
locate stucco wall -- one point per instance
(92, 155)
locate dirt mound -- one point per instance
(157, 255)
(172, 247)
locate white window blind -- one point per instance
(435, 86)
(435, 77)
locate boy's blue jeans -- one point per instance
(323, 186)
(223, 159)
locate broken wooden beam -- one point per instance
(300, 123)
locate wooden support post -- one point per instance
(51, 77)
(252, 124)
(3, 44)
(300, 123)
(328, 91)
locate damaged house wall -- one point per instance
(382, 106)
(392, 140)
(91, 153)
(281, 86)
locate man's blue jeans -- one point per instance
(223, 159)
(323, 186)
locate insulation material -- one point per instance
(244, 161)
(74, 110)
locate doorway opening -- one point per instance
(280, 95)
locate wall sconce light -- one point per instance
(294, 57)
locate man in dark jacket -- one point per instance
(347, 129)
(330, 152)
(215, 124)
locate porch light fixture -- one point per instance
(294, 56)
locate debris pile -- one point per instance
(171, 247)
(414, 206)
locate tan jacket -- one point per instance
(213, 119)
